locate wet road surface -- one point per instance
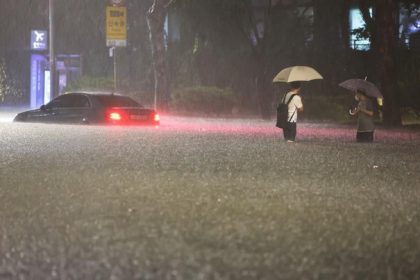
(207, 199)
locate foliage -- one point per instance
(4, 86)
(361, 33)
(409, 79)
(10, 89)
(410, 116)
(203, 100)
(323, 108)
(236, 44)
(86, 36)
(91, 83)
(210, 43)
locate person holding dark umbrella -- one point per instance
(364, 112)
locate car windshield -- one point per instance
(117, 101)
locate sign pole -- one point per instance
(114, 53)
(116, 31)
(52, 51)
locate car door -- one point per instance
(76, 109)
(67, 108)
(56, 110)
(49, 113)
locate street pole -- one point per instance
(52, 51)
(115, 68)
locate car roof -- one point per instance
(95, 93)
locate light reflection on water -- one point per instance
(6, 117)
(306, 132)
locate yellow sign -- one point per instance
(116, 26)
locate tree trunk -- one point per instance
(327, 55)
(155, 21)
(262, 58)
(372, 28)
(383, 29)
(387, 40)
(264, 94)
(346, 52)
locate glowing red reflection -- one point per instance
(115, 116)
(157, 118)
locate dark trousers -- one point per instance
(289, 132)
(364, 137)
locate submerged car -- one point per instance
(91, 108)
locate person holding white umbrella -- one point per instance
(294, 105)
(292, 101)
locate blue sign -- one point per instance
(38, 66)
(39, 40)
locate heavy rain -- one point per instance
(209, 139)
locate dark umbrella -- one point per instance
(362, 85)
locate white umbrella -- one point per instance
(297, 74)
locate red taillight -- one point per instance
(114, 116)
(157, 118)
